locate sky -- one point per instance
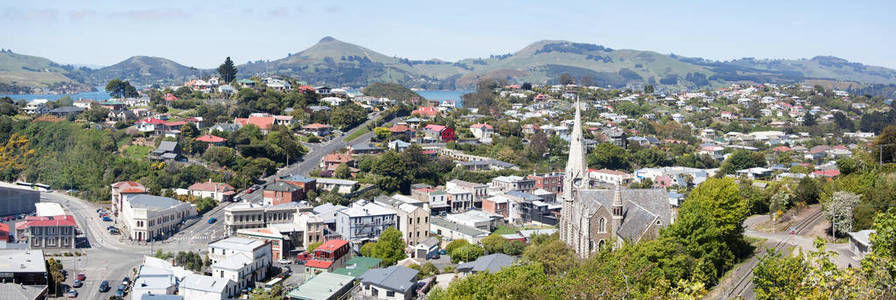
(202, 33)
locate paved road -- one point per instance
(113, 257)
(315, 154)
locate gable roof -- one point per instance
(152, 202)
(208, 138)
(396, 278)
(489, 263)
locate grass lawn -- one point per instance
(507, 229)
(136, 152)
(358, 133)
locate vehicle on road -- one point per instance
(126, 281)
(72, 294)
(77, 283)
(250, 190)
(285, 261)
(104, 286)
(119, 293)
(212, 220)
(107, 219)
(81, 277)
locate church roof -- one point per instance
(641, 208)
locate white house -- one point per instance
(37, 107)
(242, 260)
(482, 131)
(201, 287)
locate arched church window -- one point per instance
(590, 246)
(602, 225)
(600, 244)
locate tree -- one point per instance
(227, 70)
(777, 204)
(467, 253)
(742, 159)
(389, 247)
(455, 244)
(884, 146)
(553, 254)
(513, 248)
(189, 130)
(56, 277)
(97, 114)
(121, 89)
(348, 116)
(342, 171)
(493, 243)
(808, 119)
(880, 265)
(843, 122)
(313, 246)
(429, 269)
(839, 210)
(608, 156)
(565, 79)
(807, 191)
(367, 249)
(648, 89)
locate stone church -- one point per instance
(593, 218)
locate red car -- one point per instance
(81, 277)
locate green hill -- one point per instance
(144, 70)
(334, 62)
(20, 73)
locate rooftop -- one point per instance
(396, 278)
(321, 287)
(16, 261)
(152, 202)
(358, 265)
(204, 283)
(237, 244)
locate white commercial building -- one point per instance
(147, 217)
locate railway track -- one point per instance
(746, 281)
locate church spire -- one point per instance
(576, 167)
(617, 203)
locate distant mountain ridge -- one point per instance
(338, 63)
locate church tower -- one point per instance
(575, 177)
(617, 208)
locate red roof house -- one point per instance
(212, 139)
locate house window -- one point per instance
(390, 293)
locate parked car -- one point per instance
(212, 220)
(72, 294)
(126, 280)
(81, 277)
(285, 261)
(104, 286)
(119, 293)
(77, 283)
(107, 219)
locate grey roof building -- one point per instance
(490, 263)
(393, 280)
(152, 201)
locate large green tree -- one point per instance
(608, 156)
(121, 89)
(884, 147)
(389, 247)
(227, 70)
(742, 159)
